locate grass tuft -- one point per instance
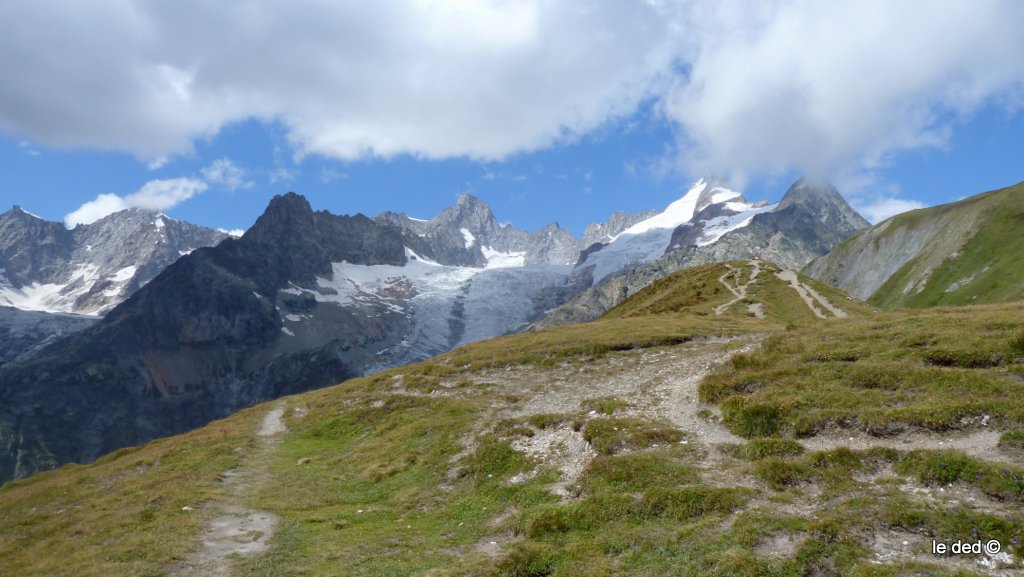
(1012, 439)
(611, 435)
(1005, 482)
(634, 472)
(528, 559)
(604, 405)
(781, 474)
(757, 449)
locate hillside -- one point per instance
(661, 439)
(966, 252)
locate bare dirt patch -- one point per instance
(780, 544)
(561, 447)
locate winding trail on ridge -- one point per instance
(809, 295)
(740, 290)
(238, 530)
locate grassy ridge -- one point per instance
(697, 292)
(988, 268)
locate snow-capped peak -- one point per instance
(648, 239)
(700, 196)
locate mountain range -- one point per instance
(735, 418)
(306, 299)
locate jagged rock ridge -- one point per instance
(90, 269)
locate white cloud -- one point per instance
(880, 209)
(235, 232)
(329, 175)
(431, 78)
(834, 86)
(281, 175)
(753, 87)
(27, 147)
(227, 174)
(154, 195)
(95, 209)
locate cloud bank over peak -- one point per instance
(753, 88)
(154, 195)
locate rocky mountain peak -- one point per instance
(93, 267)
(469, 212)
(17, 211)
(805, 190)
(286, 216)
(823, 200)
(468, 200)
(21, 215)
(290, 205)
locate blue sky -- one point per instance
(547, 112)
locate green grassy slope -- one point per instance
(698, 291)
(415, 471)
(989, 268)
(967, 252)
(122, 515)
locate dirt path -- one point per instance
(739, 291)
(662, 383)
(658, 384)
(238, 530)
(809, 295)
(979, 444)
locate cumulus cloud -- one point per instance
(753, 87)
(154, 195)
(431, 78)
(827, 86)
(227, 174)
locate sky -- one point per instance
(549, 110)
